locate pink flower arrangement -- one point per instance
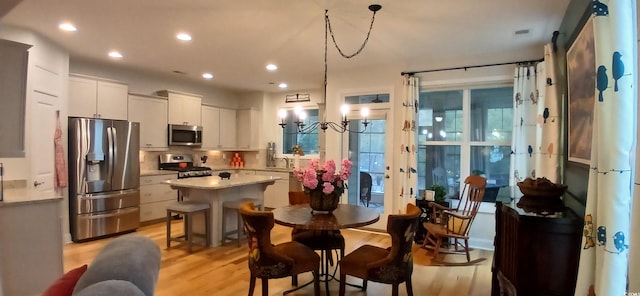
(325, 178)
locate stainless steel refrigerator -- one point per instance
(104, 176)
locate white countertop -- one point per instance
(21, 196)
(214, 182)
(156, 172)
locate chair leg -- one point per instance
(394, 289)
(436, 248)
(466, 249)
(224, 225)
(294, 280)
(265, 287)
(252, 285)
(409, 287)
(316, 282)
(207, 226)
(364, 284)
(343, 281)
(239, 227)
(168, 229)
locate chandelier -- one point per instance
(343, 125)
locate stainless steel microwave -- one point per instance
(185, 135)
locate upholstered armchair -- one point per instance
(392, 265)
(268, 261)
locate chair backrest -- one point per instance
(470, 200)
(402, 228)
(263, 258)
(298, 197)
(365, 186)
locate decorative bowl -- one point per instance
(541, 187)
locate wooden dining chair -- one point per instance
(320, 240)
(392, 265)
(454, 223)
(268, 261)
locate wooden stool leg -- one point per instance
(239, 227)
(224, 227)
(168, 229)
(207, 227)
(189, 226)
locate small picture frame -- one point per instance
(429, 195)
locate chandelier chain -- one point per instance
(333, 38)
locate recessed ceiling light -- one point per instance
(184, 37)
(272, 67)
(282, 85)
(207, 75)
(115, 54)
(67, 27)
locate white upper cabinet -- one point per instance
(227, 128)
(210, 127)
(218, 128)
(184, 108)
(248, 129)
(91, 97)
(151, 113)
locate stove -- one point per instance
(183, 164)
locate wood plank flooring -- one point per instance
(223, 270)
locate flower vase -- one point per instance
(296, 161)
(320, 202)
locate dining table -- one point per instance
(301, 216)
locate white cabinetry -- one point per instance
(184, 108)
(210, 127)
(92, 97)
(248, 124)
(218, 128)
(151, 113)
(276, 195)
(155, 196)
(227, 128)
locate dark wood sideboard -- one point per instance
(535, 254)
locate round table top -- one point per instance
(345, 216)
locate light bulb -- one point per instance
(364, 112)
(282, 113)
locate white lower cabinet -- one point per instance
(155, 196)
(276, 195)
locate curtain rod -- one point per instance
(469, 67)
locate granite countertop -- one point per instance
(214, 182)
(22, 196)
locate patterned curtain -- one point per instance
(537, 121)
(605, 245)
(408, 171)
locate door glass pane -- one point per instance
(366, 151)
(491, 117)
(440, 116)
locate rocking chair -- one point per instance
(454, 223)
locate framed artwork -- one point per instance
(581, 80)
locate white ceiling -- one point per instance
(234, 39)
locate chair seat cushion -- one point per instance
(305, 259)
(355, 263)
(318, 239)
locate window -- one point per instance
(291, 137)
(444, 142)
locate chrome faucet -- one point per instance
(287, 162)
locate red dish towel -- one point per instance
(60, 178)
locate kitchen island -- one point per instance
(215, 190)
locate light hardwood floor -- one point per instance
(223, 270)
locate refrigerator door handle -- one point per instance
(110, 147)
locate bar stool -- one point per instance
(188, 209)
(234, 206)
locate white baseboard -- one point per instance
(484, 244)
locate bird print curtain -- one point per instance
(607, 241)
(537, 121)
(407, 176)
